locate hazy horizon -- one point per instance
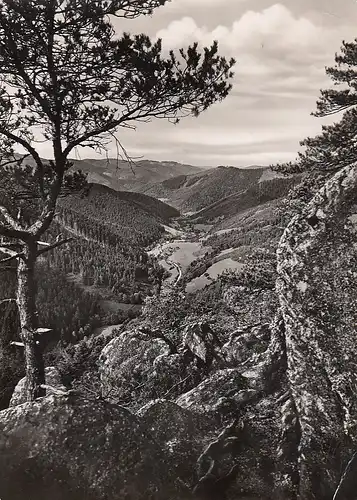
(167, 160)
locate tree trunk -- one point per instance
(322, 381)
(26, 301)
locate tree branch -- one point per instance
(8, 251)
(347, 470)
(8, 300)
(53, 246)
(93, 133)
(32, 151)
(13, 233)
(12, 229)
(12, 257)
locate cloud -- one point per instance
(281, 56)
(244, 159)
(273, 32)
(278, 53)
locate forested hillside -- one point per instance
(256, 194)
(190, 193)
(122, 211)
(112, 230)
(118, 266)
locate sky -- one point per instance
(281, 51)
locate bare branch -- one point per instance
(347, 470)
(18, 344)
(8, 251)
(125, 155)
(54, 245)
(12, 257)
(8, 300)
(112, 125)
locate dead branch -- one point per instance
(125, 156)
(17, 344)
(7, 300)
(53, 246)
(12, 257)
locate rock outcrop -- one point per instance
(74, 448)
(317, 293)
(53, 381)
(224, 387)
(126, 362)
(149, 364)
(181, 433)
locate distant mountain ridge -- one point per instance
(121, 175)
(124, 176)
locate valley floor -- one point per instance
(176, 255)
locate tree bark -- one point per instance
(26, 302)
(322, 381)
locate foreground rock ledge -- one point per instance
(53, 381)
(74, 448)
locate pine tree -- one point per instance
(67, 79)
(335, 147)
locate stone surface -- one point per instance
(221, 384)
(77, 449)
(180, 432)
(127, 361)
(317, 293)
(53, 379)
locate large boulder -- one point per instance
(242, 344)
(180, 432)
(79, 449)
(226, 387)
(127, 362)
(53, 381)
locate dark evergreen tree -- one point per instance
(335, 147)
(67, 79)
